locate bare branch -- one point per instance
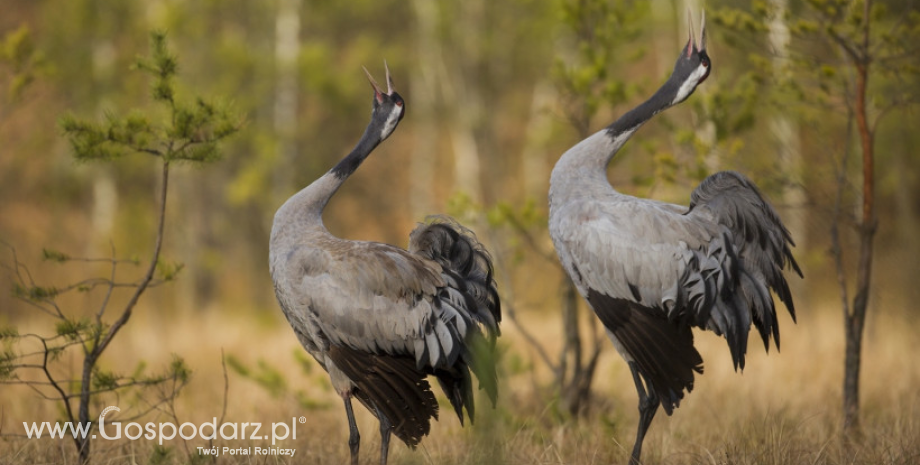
(523, 232)
(108, 293)
(129, 307)
(508, 299)
(54, 384)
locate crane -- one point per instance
(380, 319)
(651, 270)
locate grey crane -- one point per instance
(380, 319)
(652, 270)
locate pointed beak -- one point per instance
(374, 84)
(390, 87)
(691, 45)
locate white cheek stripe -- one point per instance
(689, 84)
(391, 121)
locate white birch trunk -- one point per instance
(284, 118)
(785, 130)
(423, 84)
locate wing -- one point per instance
(628, 260)
(762, 242)
(710, 267)
(467, 268)
(374, 298)
(465, 264)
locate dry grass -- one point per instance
(784, 409)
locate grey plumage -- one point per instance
(652, 270)
(380, 319)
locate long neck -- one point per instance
(587, 160)
(305, 208)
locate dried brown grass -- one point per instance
(784, 409)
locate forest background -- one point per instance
(496, 92)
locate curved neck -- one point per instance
(588, 159)
(305, 208)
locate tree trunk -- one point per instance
(423, 87)
(855, 321)
(571, 351)
(466, 94)
(786, 131)
(287, 48)
(538, 132)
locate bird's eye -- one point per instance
(399, 103)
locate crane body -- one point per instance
(381, 319)
(651, 270)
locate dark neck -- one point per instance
(369, 141)
(586, 162)
(636, 117)
(305, 208)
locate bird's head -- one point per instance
(389, 106)
(693, 65)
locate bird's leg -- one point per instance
(648, 406)
(386, 429)
(354, 438)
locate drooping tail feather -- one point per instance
(391, 386)
(758, 250)
(456, 249)
(467, 269)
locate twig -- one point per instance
(510, 310)
(223, 411)
(223, 364)
(54, 383)
(108, 293)
(126, 314)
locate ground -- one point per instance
(784, 409)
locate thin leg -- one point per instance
(386, 429)
(648, 406)
(354, 438)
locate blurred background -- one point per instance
(495, 91)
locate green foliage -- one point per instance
(8, 358)
(604, 36)
(303, 360)
(8, 332)
(34, 293)
(179, 370)
(162, 65)
(54, 255)
(160, 455)
(190, 133)
(265, 375)
(18, 54)
(72, 329)
(238, 366)
(169, 271)
(139, 369)
(105, 380)
(829, 39)
(274, 381)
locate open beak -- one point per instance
(377, 92)
(374, 84)
(691, 46)
(390, 87)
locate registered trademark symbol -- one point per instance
(303, 419)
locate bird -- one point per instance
(381, 319)
(651, 270)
